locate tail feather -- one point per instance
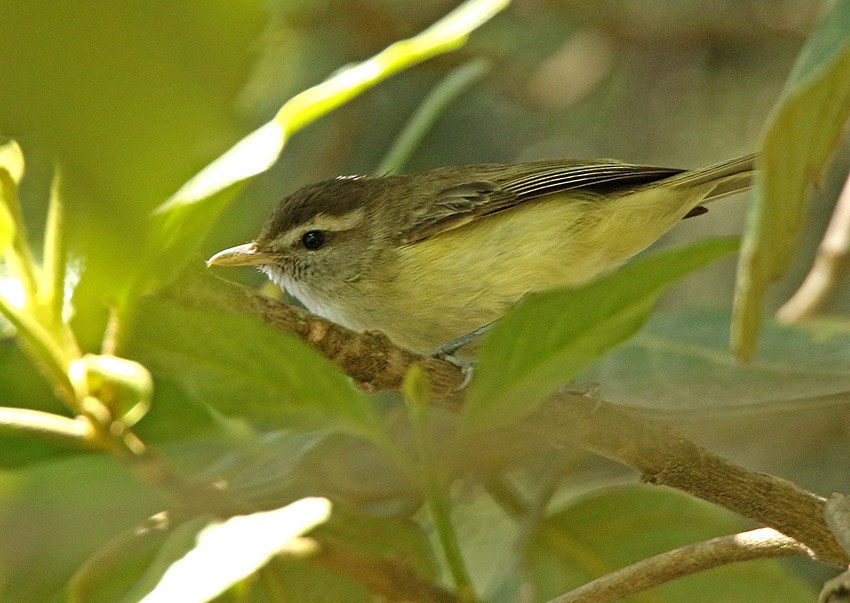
(730, 177)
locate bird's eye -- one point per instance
(313, 239)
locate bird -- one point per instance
(430, 257)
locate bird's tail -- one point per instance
(729, 177)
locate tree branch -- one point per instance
(662, 457)
(831, 263)
(763, 543)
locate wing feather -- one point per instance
(494, 188)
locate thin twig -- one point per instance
(77, 432)
(831, 263)
(666, 459)
(763, 543)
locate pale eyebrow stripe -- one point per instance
(326, 222)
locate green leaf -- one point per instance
(12, 161)
(800, 136)
(80, 504)
(132, 563)
(269, 467)
(7, 224)
(488, 538)
(242, 367)
(55, 257)
(42, 348)
(182, 221)
(382, 537)
(22, 385)
(680, 362)
(548, 338)
(416, 389)
(14, 247)
(612, 528)
(228, 552)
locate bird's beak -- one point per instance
(241, 255)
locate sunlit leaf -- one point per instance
(800, 136)
(548, 338)
(14, 248)
(230, 551)
(182, 221)
(55, 257)
(11, 172)
(7, 224)
(12, 161)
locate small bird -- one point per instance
(430, 257)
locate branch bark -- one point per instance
(831, 263)
(662, 457)
(763, 543)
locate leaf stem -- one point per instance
(78, 431)
(438, 502)
(436, 487)
(45, 351)
(763, 543)
(428, 112)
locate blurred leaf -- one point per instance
(130, 565)
(609, 529)
(7, 224)
(274, 467)
(22, 386)
(305, 582)
(800, 136)
(440, 97)
(124, 386)
(242, 367)
(230, 551)
(12, 161)
(488, 540)
(416, 389)
(548, 338)
(55, 257)
(382, 537)
(183, 220)
(176, 416)
(12, 230)
(139, 115)
(681, 362)
(837, 516)
(55, 515)
(41, 347)
(21, 449)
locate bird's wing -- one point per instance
(495, 188)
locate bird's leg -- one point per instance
(447, 350)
